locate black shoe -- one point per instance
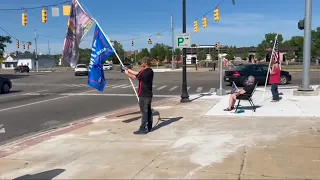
(140, 132)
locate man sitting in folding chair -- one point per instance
(246, 91)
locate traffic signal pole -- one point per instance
(184, 95)
(36, 50)
(307, 48)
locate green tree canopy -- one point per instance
(201, 55)
(214, 54)
(178, 53)
(295, 41)
(159, 51)
(231, 52)
(245, 54)
(3, 41)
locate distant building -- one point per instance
(43, 62)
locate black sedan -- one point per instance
(5, 85)
(22, 69)
(239, 75)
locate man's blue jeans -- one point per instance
(146, 113)
(275, 92)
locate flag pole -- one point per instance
(111, 47)
(266, 81)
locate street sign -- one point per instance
(183, 40)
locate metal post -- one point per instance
(184, 95)
(220, 91)
(172, 31)
(36, 43)
(307, 48)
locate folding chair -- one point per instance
(247, 97)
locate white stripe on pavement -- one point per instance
(120, 86)
(199, 89)
(161, 87)
(126, 86)
(212, 90)
(173, 88)
(188, 88)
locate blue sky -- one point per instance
(242, 25)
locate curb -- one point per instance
(21, 144)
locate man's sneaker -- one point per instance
(140, 132)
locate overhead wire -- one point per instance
(10, 35)
(36, 7)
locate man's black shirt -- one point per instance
(145, 78)
(249, 89)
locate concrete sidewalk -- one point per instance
(186, 143)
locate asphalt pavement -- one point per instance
(40, 101)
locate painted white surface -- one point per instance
(289, 105)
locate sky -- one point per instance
(243, 24)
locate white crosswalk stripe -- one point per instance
(188, 88)
(212, 90)
(173, 88)
(199, 89)
(161, 87)
(119, 86)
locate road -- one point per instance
(40, 101)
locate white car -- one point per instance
(107, 67)
(81, 69)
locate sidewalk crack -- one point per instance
(243, 161)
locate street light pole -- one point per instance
(307, 48)
(172, 32)
(36, 50)
(184, 95)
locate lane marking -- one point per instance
(212, 90)
(161, 87)
(188, 88)
(94, 94)
(199, 89)
(174, 87)
(42, 90)
(120, 86)
(39, 102)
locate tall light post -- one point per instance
(184, 95)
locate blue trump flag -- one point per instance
(101, 50)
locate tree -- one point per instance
(214, 54)
(178, 53)
(315, 41)
(245, 55)
(159, 51)
(290, 55)
(201, 55)
(231, 52)
(84, 56)
(119, 49)
(261, 51)
(169, 54)
(3, 41)
(295, 41)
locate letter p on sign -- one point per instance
(183, 40)
(180, 40)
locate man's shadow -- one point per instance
(46, 175)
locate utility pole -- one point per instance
(36, 43)
(184, 95)
(49, 50)
(307, 48)
(172, 31)
(220, 91)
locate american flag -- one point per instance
(275, 53)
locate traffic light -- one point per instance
(234, 2)
(301, 24)
(149, 41)
(217, 45)
(132, 43)
(23, 46)
(28, 46)
(216, 15)
(17, 44)
(44, 16)
(24, 19)
(195, 26)
(204, 22)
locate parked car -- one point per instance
(5, 85)
(107, 67)
(22, 69)
(239, 75)
(81, 69)
(127, 65)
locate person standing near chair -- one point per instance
(275, 80)
(145, 77)
(246, 91)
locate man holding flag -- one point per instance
(145, 77)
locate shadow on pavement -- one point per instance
(247, 107)
(201, 95)
(46, 175)
(137, 112)
(14, 76)
(165, 122)
(154, 113)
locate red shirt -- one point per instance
(275, 77)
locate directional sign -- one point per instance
(183, 40)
